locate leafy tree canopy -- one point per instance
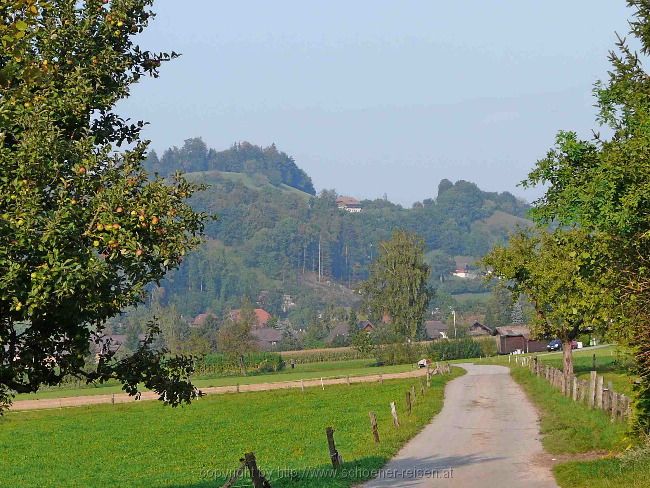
(397, 287)
(561, 280)
(603, 186)
(82, 228)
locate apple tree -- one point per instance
(563, 282)
(83, 229)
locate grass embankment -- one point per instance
(335, 369)
(572, 429)
(147, 444)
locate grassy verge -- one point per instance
(148, 444)
(571, 428)
(336, 369)
(568, 426)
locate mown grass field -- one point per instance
(355, 367)
(147, 444)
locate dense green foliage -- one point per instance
(563, 283)
(143, 444)
(275, 238)
(82, 228)
(464, 348)
(399, 353)
(397, 289)
(602, 185)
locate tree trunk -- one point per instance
(567, 359)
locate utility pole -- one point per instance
(320, 269)
(453, 313)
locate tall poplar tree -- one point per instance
(397, 288)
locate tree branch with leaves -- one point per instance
(83, 229)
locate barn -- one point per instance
(513, 338)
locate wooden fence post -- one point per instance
(335, 457)
(592, 389)
(408, 401)
(622, 406)
(593, 362)
(607, 400)
(259, 481)
(373, 425)
(113, 399)
(413, 392)
(302, 385)
(233, 479)
(574, 390)
(599, 392)
(584, 390)
(615, 397)
(381, 378)
(393, 412)
(322, 385)
(348, 380)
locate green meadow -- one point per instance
(148, 444)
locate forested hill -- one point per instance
(242, 157)
(273, 237)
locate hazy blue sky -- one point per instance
(375, 97)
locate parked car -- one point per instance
(554, 345)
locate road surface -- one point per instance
(487, 435)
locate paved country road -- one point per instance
(77, 401)
(487, 435)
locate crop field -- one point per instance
(147, 444)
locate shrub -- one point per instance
(399, 353)
(446, 350)
(488, 346)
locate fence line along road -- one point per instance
(590, 392)
(78, 401)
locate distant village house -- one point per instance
(478, 329)
(349, 204)
(262, 317)
(435, 329)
